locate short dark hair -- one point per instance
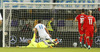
(83, 10)
(39, 21)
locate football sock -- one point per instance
(80, 42)
(81, 38)
(46, 43)
(84, 39)
(88, 42)
(91, 41)
(89, 47)
(85, 45)
(51, 40)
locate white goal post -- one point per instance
(9, 6)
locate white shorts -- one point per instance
(43, 38)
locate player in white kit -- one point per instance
(43, 33)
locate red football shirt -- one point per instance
(89, 22)
(80, 19)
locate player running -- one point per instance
(90, 23)
(43, 33)
(80, 19)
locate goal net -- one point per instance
(19, 20)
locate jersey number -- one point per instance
(40, 26)
(90, 21)
(81, 21)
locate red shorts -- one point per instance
(89, 33)
(81, 31)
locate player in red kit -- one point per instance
(90, 23)
(80, 19)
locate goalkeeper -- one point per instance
(34, 44)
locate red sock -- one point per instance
(91, 41)
(81, 37)
(88, 42)
(84, 39)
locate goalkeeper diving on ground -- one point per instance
(34, 44)
(43, 35)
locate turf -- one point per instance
(49, 50)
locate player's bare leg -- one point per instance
(88, 42)
(81, 37)
(84, 40)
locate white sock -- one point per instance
(51, 40)
(46, 43)
(85, 45)
(80, 42)
(89, 46)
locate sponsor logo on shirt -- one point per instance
(90, 17)
(82, 16)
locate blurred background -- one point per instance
(64, 27)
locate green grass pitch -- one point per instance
(49, 50)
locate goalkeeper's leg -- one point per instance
(47, 44)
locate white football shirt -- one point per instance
(41, 29)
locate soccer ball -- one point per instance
(75, 44)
